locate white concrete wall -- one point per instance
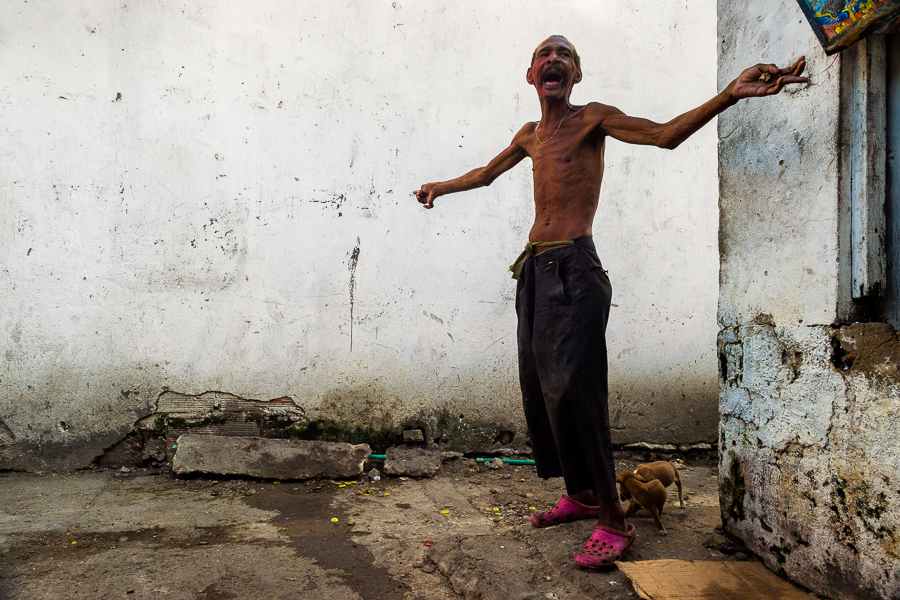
(780, 250)
(240, 218)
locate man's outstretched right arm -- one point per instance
(475, 178)
(757, 81)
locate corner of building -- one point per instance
(808, 396)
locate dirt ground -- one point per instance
(107, 534)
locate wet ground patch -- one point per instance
(305, 515)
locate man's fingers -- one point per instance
(794, 69)
(426, 195)
(425, 198)
(786, 80)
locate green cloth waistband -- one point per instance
(517, 266)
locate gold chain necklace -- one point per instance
(555, 132)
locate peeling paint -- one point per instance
(218, 413)
(152, 440)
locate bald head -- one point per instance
(558, 38)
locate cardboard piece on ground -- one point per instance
(707, 580)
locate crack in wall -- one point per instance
(6, 434)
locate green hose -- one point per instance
(511, 461)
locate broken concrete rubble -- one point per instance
(413, 436)
(140, 447)
(220, 414)
(496, 463)
(412, 462)
(652, 447)
(152, 440)
(267, 458)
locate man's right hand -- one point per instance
(426, 195)
(766, 80)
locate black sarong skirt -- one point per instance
(562, 303)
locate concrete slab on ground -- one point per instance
(108, 534)
(267, 458)
(412, 462)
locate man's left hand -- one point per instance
(765, 80)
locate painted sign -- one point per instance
(841, 23)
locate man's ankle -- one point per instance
(612, 515)
(587, 497)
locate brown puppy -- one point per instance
(650, 495)
(663, 471)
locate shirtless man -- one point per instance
(563, 294)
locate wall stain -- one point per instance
(872, 349)
(732, 489)
(354, 260)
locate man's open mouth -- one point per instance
(552, 79)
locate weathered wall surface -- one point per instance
(778, 180)
(216, 197)
(809, 453)
(809, 429)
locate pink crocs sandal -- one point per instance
(604, 548)
(566, 510)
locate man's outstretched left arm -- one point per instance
(759, 80)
